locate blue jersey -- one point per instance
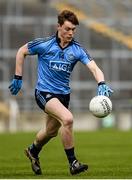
(55, 64)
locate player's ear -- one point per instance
(58, 26)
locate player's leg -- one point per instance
(75, 166)
(42, 137)
(57, 110)
(50, 131)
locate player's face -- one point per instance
(66, 31)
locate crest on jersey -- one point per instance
(71, 57)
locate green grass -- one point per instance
(107, 152)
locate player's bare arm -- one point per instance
(96, 71)
(16, 83)
(103, 89)
(20, 56)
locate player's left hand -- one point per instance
(16, 85)
(104, 90)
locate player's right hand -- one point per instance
(15, 85)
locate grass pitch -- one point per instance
(107, 152)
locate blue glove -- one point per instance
(104, 90)
(16, 85)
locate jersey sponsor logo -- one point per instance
(60, 66)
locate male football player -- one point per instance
(57, 56)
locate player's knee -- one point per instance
(68, 120)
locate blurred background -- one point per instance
(105, 31)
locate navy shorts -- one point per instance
(43, 97)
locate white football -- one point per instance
(100, 106)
